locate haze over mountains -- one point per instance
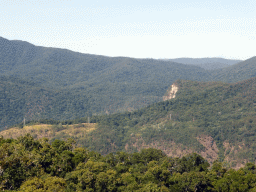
(207, 63)
(39, 82)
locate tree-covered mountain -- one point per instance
(69, 85)
(21, 99)
(238, 72)
(207, 63)
(56, 68)
(214, 119)
(76, 84)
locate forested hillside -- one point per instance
(37, 165)
(214, 119)
(56, 68)
(73, 85)
(39, 82)
(238, 72)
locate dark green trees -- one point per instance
(36, 165)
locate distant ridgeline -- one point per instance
(43, 83)
(213, 119)
(207, 63)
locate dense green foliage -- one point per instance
(30, 165)
(226, 112)
(238, 72)
(66, 85)
(21, 99)
(57, 68)
(74, 84)
(45, 83)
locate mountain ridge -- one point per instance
(214, 119)
(209, 63)
(238, 72)
(84, 84)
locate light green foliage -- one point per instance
(26, 166)
(223, 111)
(48, 184)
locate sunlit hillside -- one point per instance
(51, 132)
(214, 119)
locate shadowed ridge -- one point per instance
(238, 72)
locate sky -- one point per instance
(135, 28)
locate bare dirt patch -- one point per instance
(211, 150)
(170, 148)
(172, 93)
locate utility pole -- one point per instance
(88, 119)
(24, 122)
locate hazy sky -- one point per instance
(141, 29)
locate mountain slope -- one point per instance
(214, 119)
(76, 85)
(238, 72)
(80, 84)
(54, 67)
(21, 99)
